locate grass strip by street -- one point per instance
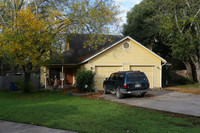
(57, 110)
(188, 88)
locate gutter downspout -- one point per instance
(161, 74)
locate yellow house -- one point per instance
(123, 54)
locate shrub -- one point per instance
(84, 80)
(19, 84)
(22, 86)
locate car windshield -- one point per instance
(136, 77)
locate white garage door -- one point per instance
(148, 70)
(101, 72)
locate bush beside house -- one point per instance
(21, 85)
(84, 80)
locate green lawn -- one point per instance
(56, 110)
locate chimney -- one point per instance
(67, 48)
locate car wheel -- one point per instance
(119, 94)
(105, 89)
(142, 94)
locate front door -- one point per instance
(69, 76)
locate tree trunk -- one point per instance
(197, 68)
(189, 70)
(2, 70)
(27, 77)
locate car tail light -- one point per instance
(148, 84)
(125, 85)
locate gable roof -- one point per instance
(100, 52)
(79, 55)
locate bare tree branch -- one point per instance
(177, 24)
(20, 5)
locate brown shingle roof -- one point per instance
(77, 53)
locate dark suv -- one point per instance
(126, 82)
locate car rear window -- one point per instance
(136, 77)
(121, 77)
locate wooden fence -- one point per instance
(5, 81)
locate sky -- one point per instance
(125, 6)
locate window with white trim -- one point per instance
(126, 45)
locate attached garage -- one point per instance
(101, 72)
(125, 55)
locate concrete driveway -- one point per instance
(184, 103)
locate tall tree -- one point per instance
(169, 26)
(138, 26)
(30, 30)
(142, 25)
(26, 42)
(181, 23)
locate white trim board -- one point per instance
(144, 65)
(118, 43)
(107, 66)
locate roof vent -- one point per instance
(126, 45)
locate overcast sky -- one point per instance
(125, 6)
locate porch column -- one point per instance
(45, 77)
(62, 78)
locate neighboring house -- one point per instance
(122, 54)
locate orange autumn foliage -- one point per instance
(27, 39)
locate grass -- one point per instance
(56, 110)
(188, 88)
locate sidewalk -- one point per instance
(13, 127)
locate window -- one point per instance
(136, 77)
(126, 45)
(111, 76)
(121, 77)
(115, 76)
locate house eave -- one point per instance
(86, 60)
(62, 65)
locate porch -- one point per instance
(59, 76)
